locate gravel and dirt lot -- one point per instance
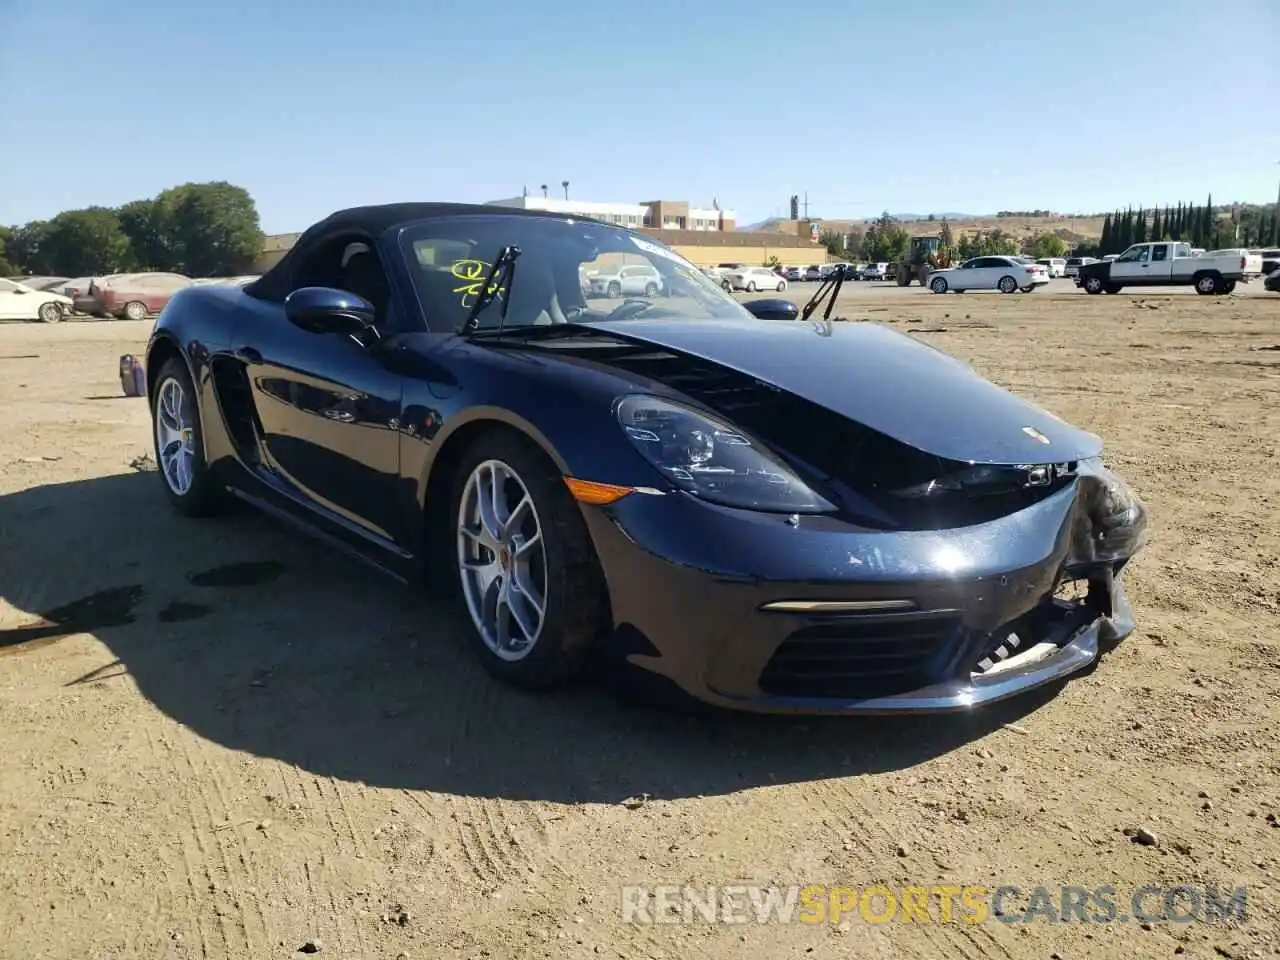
(219, 740)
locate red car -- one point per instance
(133, 296)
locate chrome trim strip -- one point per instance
(837, 606)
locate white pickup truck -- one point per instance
(1168, 264)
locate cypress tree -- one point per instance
(1206, 225)
(1140, 227)
(1179, 222)
(1157, 229)
(1104, 245)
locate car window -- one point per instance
(1135, 255)
(568, 270)
(1159, 252)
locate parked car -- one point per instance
(1270, 261)
(21, 302)
(629, 280)
(875, 271)
(1056, 266)
(1272, 283)
(135, 296)
(795, 274)
(1168, 265)
(813, 272)
(86, 295)
(1073, 265)
(1006, 274)
(752, 279)
(558, 477)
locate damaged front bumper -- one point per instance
(764, 616)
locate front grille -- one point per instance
(857, 657)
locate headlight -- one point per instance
(712, 460)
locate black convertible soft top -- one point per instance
(371, 221)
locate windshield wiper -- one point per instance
(501, 273)
(831, 285)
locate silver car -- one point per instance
(634, 280)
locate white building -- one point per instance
(657, 214)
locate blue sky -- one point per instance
(975, 106)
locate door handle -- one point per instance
(248, 355)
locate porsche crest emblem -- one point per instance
(1035, 434)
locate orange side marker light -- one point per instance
(597, 494)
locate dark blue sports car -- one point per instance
(603, 454)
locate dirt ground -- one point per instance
(218, 740)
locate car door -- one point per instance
(1160, 268)
(12, 302)
(969, 276)
(330, 411)
(1132, 266)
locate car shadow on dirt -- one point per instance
(260, 640)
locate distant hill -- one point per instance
(1071, 228)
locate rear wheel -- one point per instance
(1007, 285)
(782, 285)
(135, 310)
(1206, 284)
(751, 286)
(903, 276)
(49, 312)
(528, 574)
(179, 443)
(614, 290)
(938, 284)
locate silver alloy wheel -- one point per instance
(175, 437)
(49, 312)
(502, 560)
(938, 285)
(1008, 285)
(134, 310)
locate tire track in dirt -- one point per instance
(837, 798)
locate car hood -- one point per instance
(884, 380)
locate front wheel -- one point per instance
(135, 310)
(782, 285)
(528, 574)
(1093, 285)
(614, 290)
(938, 285)
(650, 290)
(1007, 285)
(49, 313)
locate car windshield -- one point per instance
(568, 271)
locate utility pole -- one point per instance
(565, 184)
(806, 204)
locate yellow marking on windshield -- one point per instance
(473, 272)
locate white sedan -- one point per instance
(20, 302)
(1006, 274)
(752, 279)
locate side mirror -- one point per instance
(773, 308)
(327, 310)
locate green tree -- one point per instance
(1157, 228)
(947, 250)
(7, 269)
(1140, 226)
(23, 248)
(885, 241)
(85, 242)
(140, 222)
(1104, 244)
(208, 229)
(1046, 244)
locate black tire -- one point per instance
(938, 284)
(751, 286)
(650, 290)
(134, 310)
(1027, 289)
(1093, 285)
(614, 290)
(203, 497)
(782, 285)
(1207, 283)
(1007, 285)
(576, 605)
(50, 312)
